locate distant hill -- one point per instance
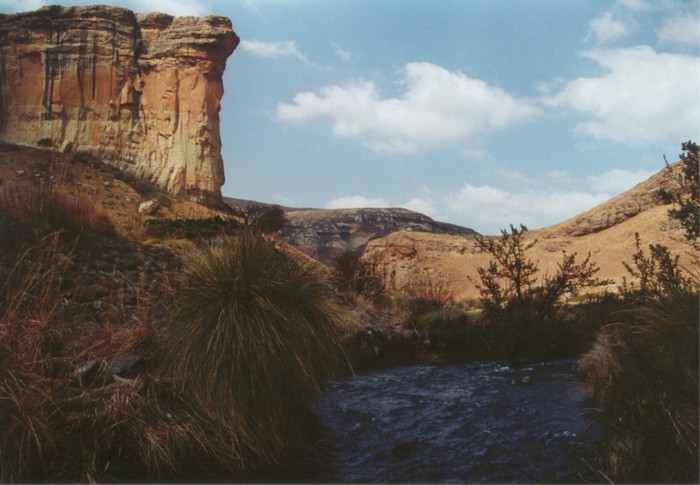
(606, 231)
(323, 233)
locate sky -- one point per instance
(482, 113)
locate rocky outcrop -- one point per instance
(140, 91)
(640, 198)
(323, 233)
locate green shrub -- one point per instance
(252, 336)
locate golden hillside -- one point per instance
(407, 259)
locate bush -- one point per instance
(657, 273)
(252, 336)
(534, 308)
(644, 376)
(433, 296)
(352, 274)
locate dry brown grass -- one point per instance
(644, 378)
(54, 427)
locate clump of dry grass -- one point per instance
(429, 297)
(644, 377)
(37, 210)
(252, 336)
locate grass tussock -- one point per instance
(33, 211)
(252, 336)
(644, 376)
(431, 297)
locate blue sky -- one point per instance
(481, 113)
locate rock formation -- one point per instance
(140, 91)
(325, 233)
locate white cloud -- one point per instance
(606, 28)
(342, 54)
(274, 50)
(489, 209)
(681, 29)
(356, 201)
(284, 200)
(423, 205)
(645, 96)
(616, 181)
(437, 107)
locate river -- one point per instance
(474, 422)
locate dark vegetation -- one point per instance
(206, 377)
(643, 373)
(532, 312)
(226, 355)
(353, 275)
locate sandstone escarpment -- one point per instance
(324, 233)
(140, 91)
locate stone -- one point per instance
(89, 373)
(141, 92)
(20, 173)
(149, 207)
(125, 366)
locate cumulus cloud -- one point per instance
(437, 107)
(645, 96)
(274, 50)
(490, 209)
(606, 28)
(356, 201)
(616, 181)
(681, 29)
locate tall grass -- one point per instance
(644, 377)
(252, 336)
(44, 209)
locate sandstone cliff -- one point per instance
(139, 91)
(324, 233)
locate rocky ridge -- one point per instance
(139, 91)
(406, 260)
(324, 233)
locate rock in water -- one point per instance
(139, 91)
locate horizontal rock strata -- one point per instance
(140, 91)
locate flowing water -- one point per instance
(471, 423)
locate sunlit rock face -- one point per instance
(139, 91)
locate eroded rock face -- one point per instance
(324, 233)
(139, 91)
